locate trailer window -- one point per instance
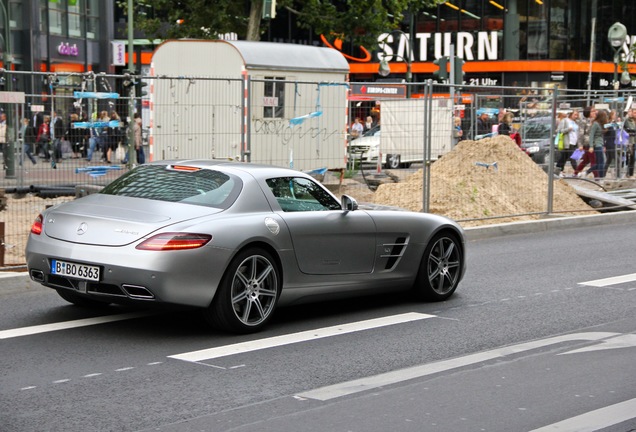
(274, 97)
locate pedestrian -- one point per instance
(369, 124)
(43, 137)
(356, 128)
(458, 133)
(630, 128)
(597, 131)
(114, 137)
(483, 126)
(27, 135)
(57, 134)
(505, 127)
(3, 138)
(75, 136)
(566, 127)
(139, 148)
(609, 144)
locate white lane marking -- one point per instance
(28, 388)
(227, 350)
(611, 281)
(61, 381)
(92, 375)
(44, 328)
(595, 420)
(393, 377)
(124, 369)
(623, 341)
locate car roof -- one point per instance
(254, 169)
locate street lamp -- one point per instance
(616, 36)
(385, 69)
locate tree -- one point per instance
(360, 21)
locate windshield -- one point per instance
(535, 129)
(166, 183)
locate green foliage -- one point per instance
(361, 21)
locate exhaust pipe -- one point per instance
(37, 275)
(137, 292)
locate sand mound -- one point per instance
(465, 184)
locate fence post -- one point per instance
(555, 96)
(426, 171)
(1, 244)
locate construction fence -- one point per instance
(303, 125)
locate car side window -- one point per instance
(297, 194)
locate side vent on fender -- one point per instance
(395, 251)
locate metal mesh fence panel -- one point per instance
(410, 146)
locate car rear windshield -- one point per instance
(189, 185)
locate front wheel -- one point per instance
(440, 269)
(247, 295)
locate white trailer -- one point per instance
(281, 104)
(404, 125)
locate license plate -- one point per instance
(75, 270)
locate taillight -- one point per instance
(36, 227)
(174, 241)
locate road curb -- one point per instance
(548, 224)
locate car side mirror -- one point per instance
(348, 203)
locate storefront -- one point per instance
(536, 43)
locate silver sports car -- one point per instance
(236, 240)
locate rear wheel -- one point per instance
(440, 269)
(247, 296)
(79, 300)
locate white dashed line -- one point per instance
(61, 381)
(91, 375)
(124, 369)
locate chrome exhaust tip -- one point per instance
(37, 275)
(137, 292)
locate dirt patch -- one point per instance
(482, 179)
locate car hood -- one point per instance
(109, 220)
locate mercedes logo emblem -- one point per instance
(82, 228)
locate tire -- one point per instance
(246, 298)
(79, 300)
(392, 161)
(440, 269)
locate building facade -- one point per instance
(503, 42)
(57, 36)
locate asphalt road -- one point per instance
(541, 335)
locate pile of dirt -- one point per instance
(483, 179)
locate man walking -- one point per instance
(57, 133)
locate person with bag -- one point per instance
(569, 130)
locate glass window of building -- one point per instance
(57, 18)
(16, 14)
(536, 30)
(92, 19)
(75, 18)
(558, 30)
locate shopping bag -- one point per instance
(577, 154)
